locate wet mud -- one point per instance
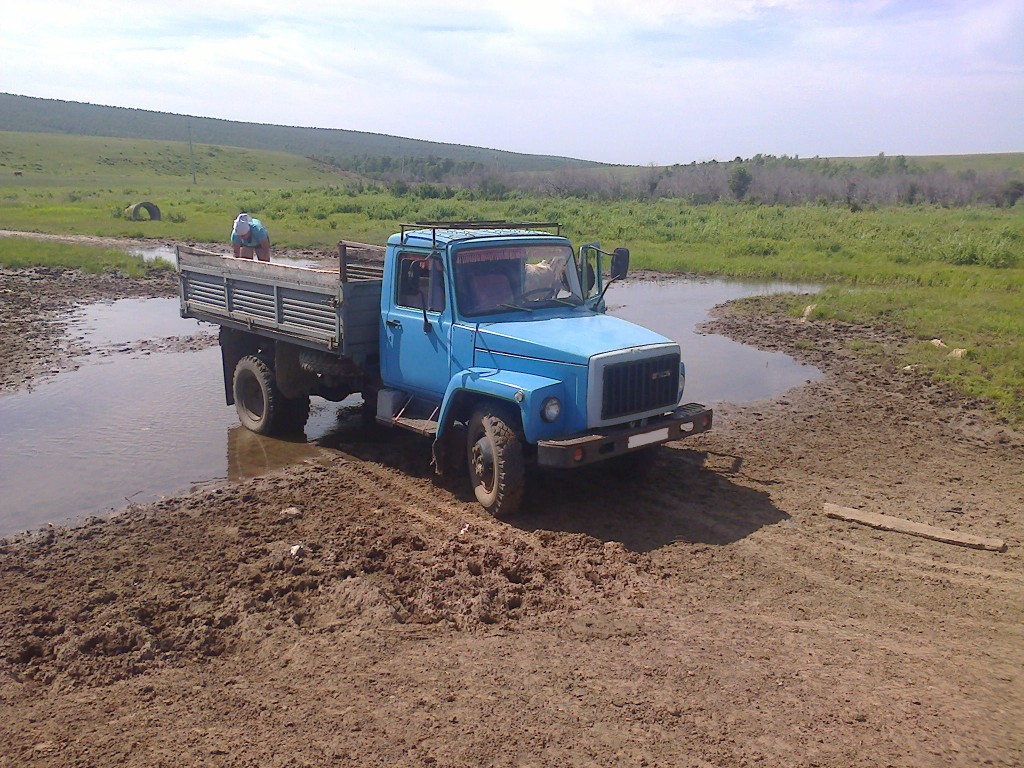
(355, 610)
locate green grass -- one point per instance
(44, 160)
(950, 273)
(982, 163)
(986, 321)
(17, 252)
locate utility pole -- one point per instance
(191, 154)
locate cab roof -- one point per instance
(434, 233)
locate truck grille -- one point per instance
(640, 385)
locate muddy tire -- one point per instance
(260, 405)
(494, 453)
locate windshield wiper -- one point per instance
(577, 303)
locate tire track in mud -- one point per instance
(805, 571)
(446, 560)
(423, 499)
(1009, 581)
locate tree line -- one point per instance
(877, 181)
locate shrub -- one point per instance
(1013, 192)
(739, 181)
(968, 251)
(760, 247)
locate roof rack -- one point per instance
(434, 226)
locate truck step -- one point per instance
(691, 408)
(426, 427)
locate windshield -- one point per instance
(507, 278)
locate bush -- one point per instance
(382, 211)
(739, 181)
(1014, 191)
(444, 212)
(970, 251)
(759, 247)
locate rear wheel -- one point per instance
(260, 405)
(495, 455)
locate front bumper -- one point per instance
(608, 442)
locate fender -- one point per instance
(526, 391)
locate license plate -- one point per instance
(657, 436)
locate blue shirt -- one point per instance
(257, 234)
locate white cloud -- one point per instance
(665, 80)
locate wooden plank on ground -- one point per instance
(888, 523)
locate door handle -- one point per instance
(393, 323)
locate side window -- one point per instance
(419, 277)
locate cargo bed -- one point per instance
(337, 309)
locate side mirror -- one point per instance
(620, 263)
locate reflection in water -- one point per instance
(117, 430)
(330, 425)
(134, 427)
(251, 455)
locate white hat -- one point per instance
(242, 224)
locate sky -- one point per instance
(617, 81)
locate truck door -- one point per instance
(416, 357)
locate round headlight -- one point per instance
(552, 409)
(682, 380)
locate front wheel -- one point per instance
(495, 456)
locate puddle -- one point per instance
(718, 369)
(131, 427)
(126, 320)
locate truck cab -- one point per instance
(496, 335)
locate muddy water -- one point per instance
(135, 423)
(717, 369)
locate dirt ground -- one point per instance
(354, 611)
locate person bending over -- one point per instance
(250, 238)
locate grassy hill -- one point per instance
(33, 115)
(42, 159)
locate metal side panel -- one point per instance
(361, 315)
(298, 313)
(205, 291)
(282, 301)
(310, 313)
(252, 301)
(191, 260)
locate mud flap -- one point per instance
(234, 345)
(231, 351)
(439, 453)
(449, 451)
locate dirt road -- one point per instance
(355, 612)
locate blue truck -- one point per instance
(491, 338)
